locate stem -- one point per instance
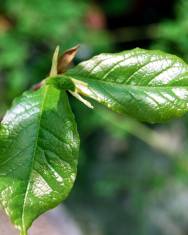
(80, 98)
(23, 232)
(133, 127)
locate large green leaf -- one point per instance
(39, 152)
(151, 86)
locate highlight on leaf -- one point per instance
(39, 153)
(151, 86)
(38, 136)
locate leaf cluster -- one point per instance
(38, 137)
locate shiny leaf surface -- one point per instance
(148, 85)
(39, 152)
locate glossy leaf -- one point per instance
(148, 85)
(39, 153)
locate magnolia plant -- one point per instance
(39, 141)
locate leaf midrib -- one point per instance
(128, 85)
(23, 227)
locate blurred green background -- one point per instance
(132, 177)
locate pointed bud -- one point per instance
(65, 60)
(54, 70)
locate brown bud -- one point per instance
(65, 60)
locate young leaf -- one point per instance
(39, 153)
(151, 86)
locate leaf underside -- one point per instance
(39, 153)
(150, 86)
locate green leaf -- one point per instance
(39, 153)
(148, 85)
